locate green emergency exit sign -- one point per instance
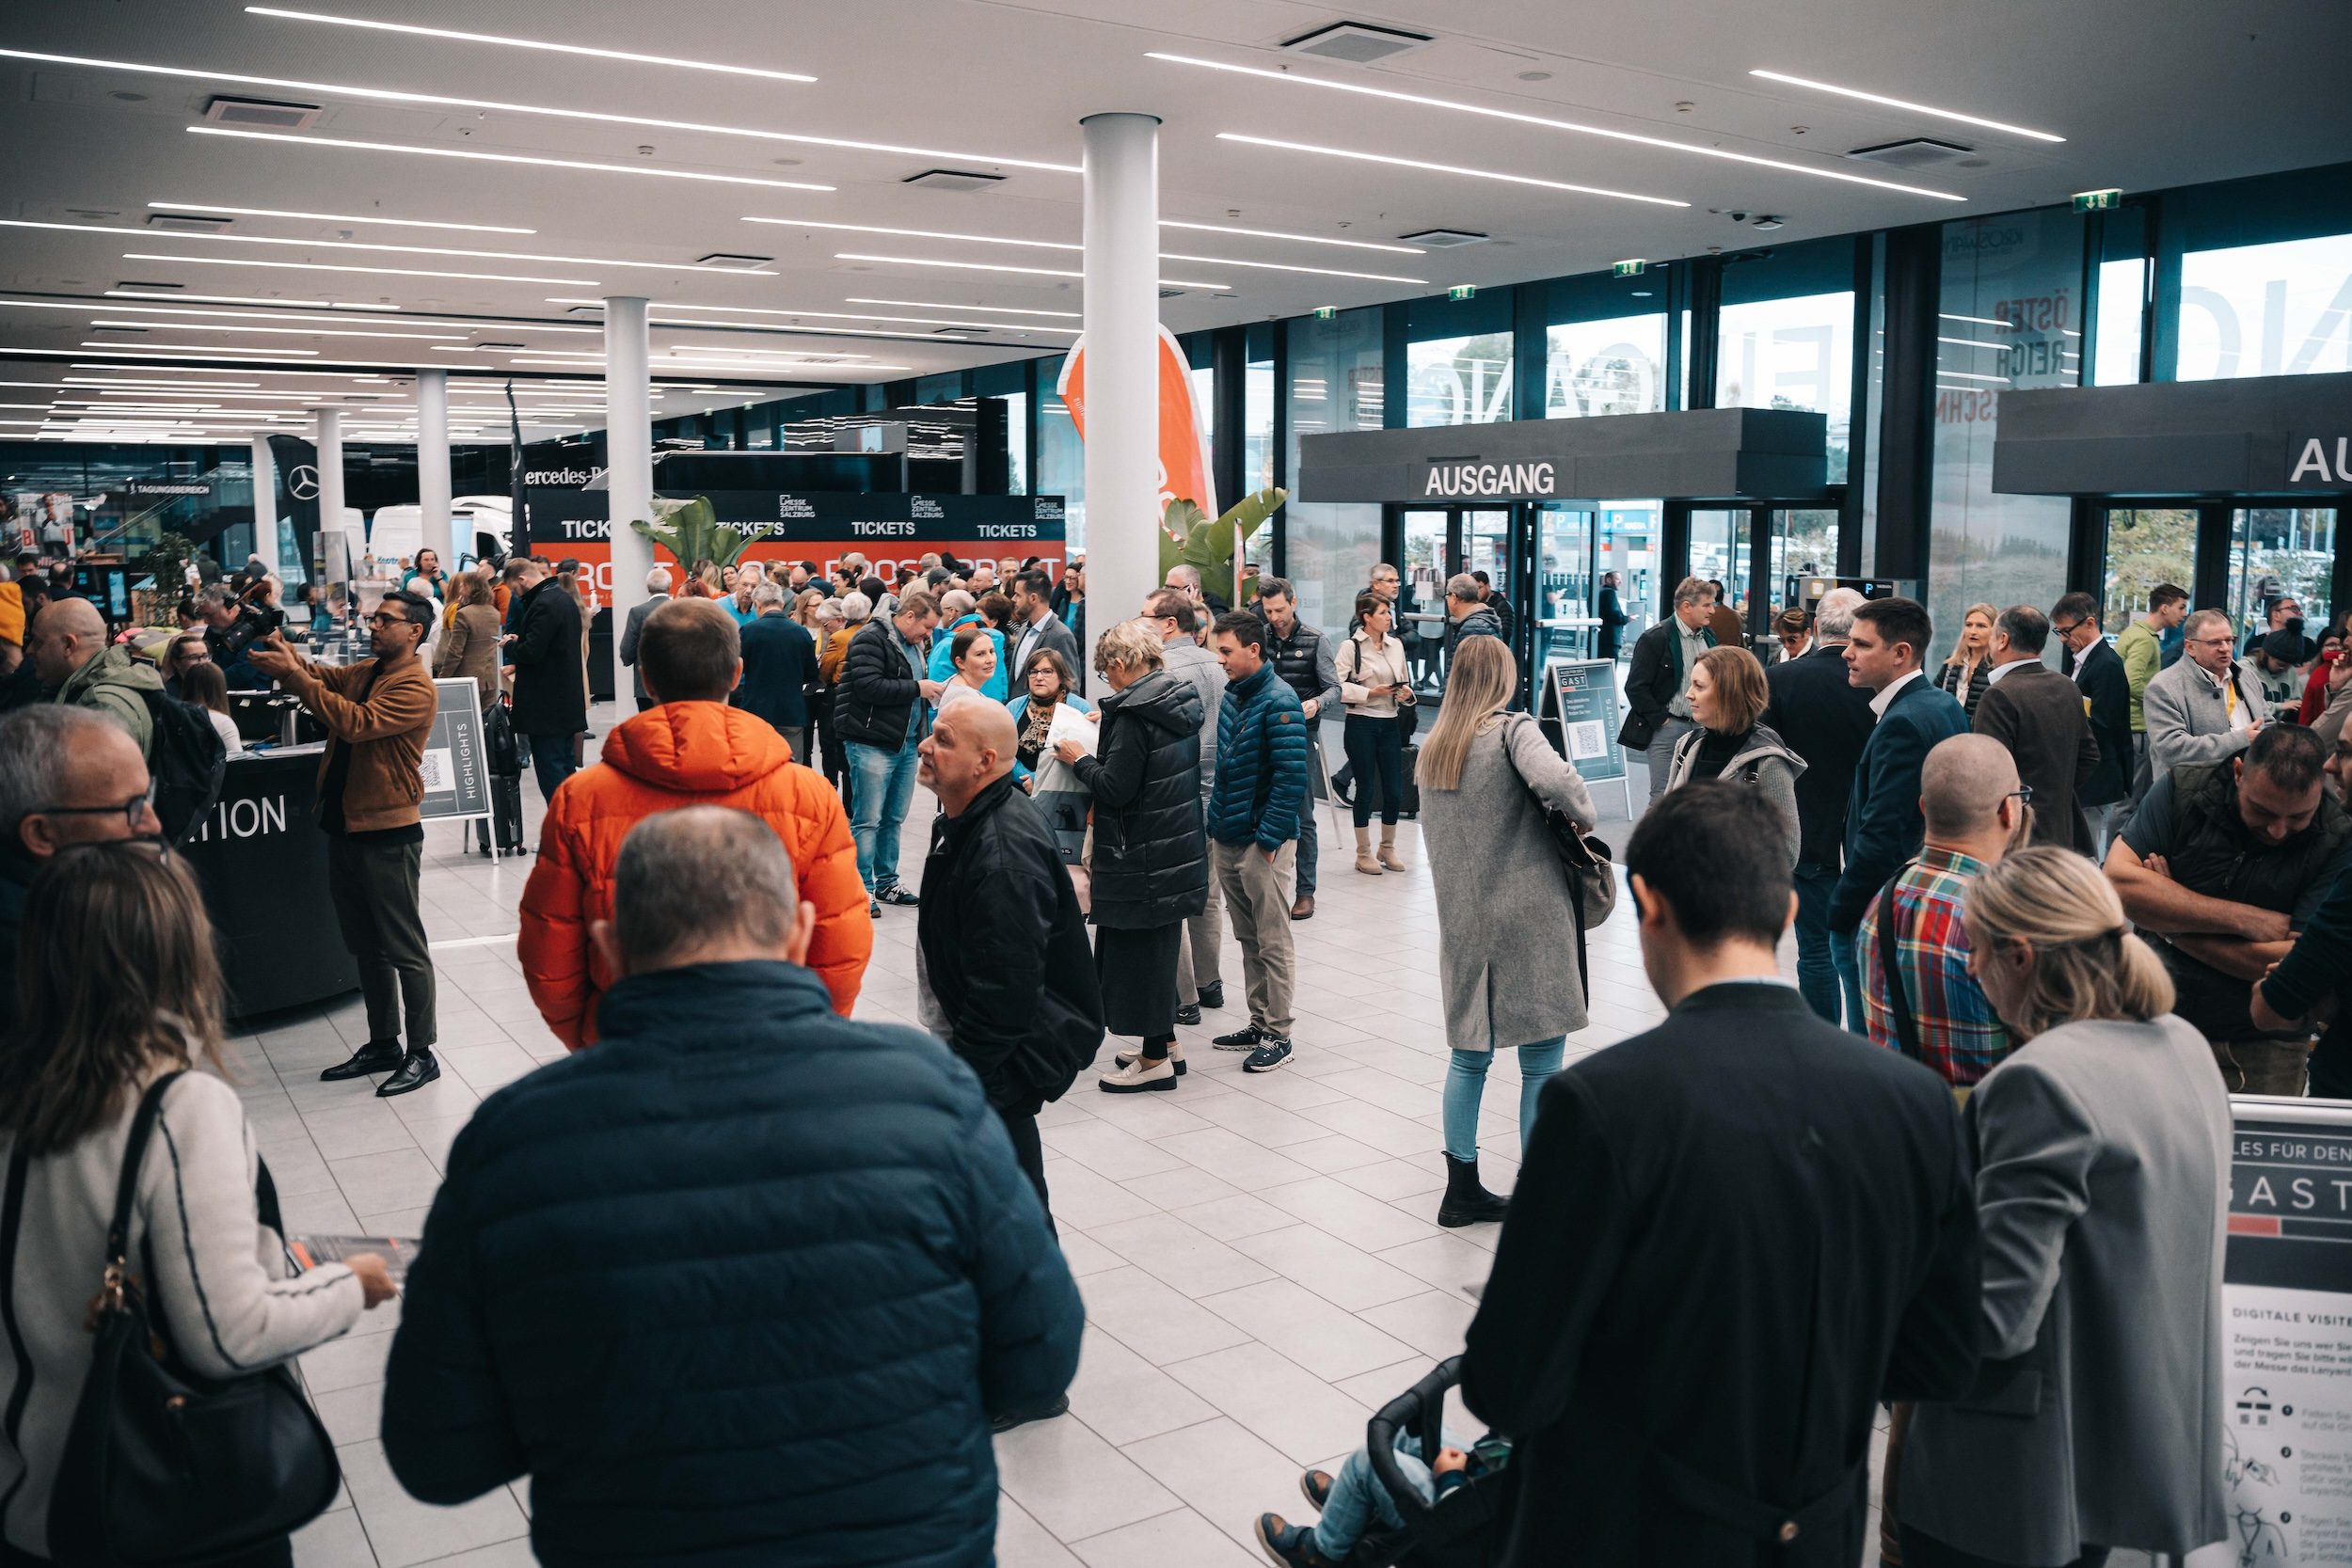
(1327, 312)
(1629, 269)
(2097, 201)
(1462, 291)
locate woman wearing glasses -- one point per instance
(2103, 1190)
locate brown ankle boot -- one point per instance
(1364, 863)
(1388, 848)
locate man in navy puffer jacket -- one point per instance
(1253, 813)
(742, 1285)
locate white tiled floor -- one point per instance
(1260, 1258)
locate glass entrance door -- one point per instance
(1426, 562)
(1804, 544)
(2145, 545)
(2277, 553)
(1565, 625)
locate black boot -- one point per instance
(1466, 1202)
(374, 1058)
(416, 1071)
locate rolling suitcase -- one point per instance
(1411, 808)
(506, 812)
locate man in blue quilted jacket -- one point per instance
(1253, 813)
(743, 1286)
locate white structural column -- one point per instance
(628, 448)
(330, 444)
(432, 465)
(1122, 233)
(265, 509)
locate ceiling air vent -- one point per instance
(188, 223)
(1174, 293)
(593, 311)
(1914, 153)
(501, 347)
(740, 264)
(263, 112)
(952, 180)
(1446, 239)
(134, 283)
(1356, 43)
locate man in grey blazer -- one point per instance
(657, 593)
(2202, 709)
(1036, 625)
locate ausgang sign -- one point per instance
(1515, 481)
(2320, 460)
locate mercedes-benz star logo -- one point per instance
(302, 483)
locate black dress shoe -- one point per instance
(414, 1072)
(374, 1058)
(1012, 1419)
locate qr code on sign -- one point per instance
(1587, 739)
(437, 770)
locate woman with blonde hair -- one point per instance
(470, 645)
(1506, 944)
(2103, 1189)
(1728, 696)
(1969, 671)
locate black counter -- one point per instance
(262, 862)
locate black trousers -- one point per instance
(1030, 1153)
(1376, 750)
(374, 887)
(1925, 1551)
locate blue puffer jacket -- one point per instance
(741, 1286)
(943, 664)
(1262, 745)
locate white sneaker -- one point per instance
(1139, 1075)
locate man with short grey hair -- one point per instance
(1468, 614)
(2203, 709)
(1658, 681)
(779, 667)
(1826, 720)
(657, 590)
(1199, 981)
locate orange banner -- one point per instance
(1184, 448)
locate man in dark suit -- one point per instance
(779, 662)
(1882, 821)
(2098, 670)
(2038, 714)
(1609, 608)
(1657, 683)
(544, 670)
(1732, 1236)
(1825, 719)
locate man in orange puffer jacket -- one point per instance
(691, 750)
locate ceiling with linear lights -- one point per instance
(215, 216)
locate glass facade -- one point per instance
(1335, 384)
(1793, 352)
(1459, 380)
(2283, 308)
(2123, 292)
(1061, 458)
(2008, 318)
(1016, 443)
(1257, 426)
(2281, 552)
(1605, 367)
(2146, 546)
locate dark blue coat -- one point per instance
(1882, 822)
(1827, 721)
(741, 1284)
(1261, 783)
(779, 662)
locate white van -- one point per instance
(482, 527)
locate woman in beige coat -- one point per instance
(469, 645)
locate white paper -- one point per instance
(1068, 723)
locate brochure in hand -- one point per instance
(398, 1251)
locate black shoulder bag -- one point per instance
(1592, 873)
(1897, 1000)
(162, 1467)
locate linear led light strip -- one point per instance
(1906, 103)
(935, 305)
(390, 95)
(234, 315)
(246, 299)
(303, 311)
(1362, 90)
(478, 155)
(1060, 244)
(842, 315)
(274, 331)
(329, 267)
(334, 217)
(1296, 239)
(528, 43)
(206, 350)
(1964, 375)
(984, 267)
(1447, 168)
(1064, 244)
(394, 250)
(679, 323)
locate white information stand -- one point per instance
(457, 759)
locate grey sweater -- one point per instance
(1775, 767)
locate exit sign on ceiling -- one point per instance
(2097, 201)
(1629, 269)
(1327, 312)
(1462, 291)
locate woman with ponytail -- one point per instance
(2103, 1190)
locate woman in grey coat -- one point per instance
(2103, 1186)
(1506, 938)
(1727, 695)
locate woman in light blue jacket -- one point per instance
(1045, 686)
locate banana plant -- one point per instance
(694, 535)
(1217, 547)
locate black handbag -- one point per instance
(1592, 872)
(163, 1467)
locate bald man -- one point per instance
(68, 649)
(1005, 970)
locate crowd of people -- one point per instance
(743, 1279)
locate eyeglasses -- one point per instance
(2069, 629)
(131, 811)
(2022, 795)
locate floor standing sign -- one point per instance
(2287, 1335)
(1580, 696)
(457, 758)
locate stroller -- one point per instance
(1461, 1532)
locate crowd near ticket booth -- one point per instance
(1538, 506)
(2231, 489)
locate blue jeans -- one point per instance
(551, 759)
(1307, 844)
(1465, 1083)
(881, 787)
(1816, 972)
(1848, 958)
(1358, 1499)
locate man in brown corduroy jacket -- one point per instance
(377, 713)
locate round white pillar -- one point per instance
(265, 509)
(330, 464)
(433, 487)
(1121, 234)
(629, 456)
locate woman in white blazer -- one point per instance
(2103, 1189)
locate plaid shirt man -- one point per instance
(1960, 1036)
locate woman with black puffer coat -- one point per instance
(1150, 862)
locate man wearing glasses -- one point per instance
(69, 776)
(377, 714)
(2106, 688)
(2202, 709)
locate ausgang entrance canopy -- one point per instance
(2270, 435)
(1696, 455)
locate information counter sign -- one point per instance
(1580, 696)
(457, 755)
(2287, 1335)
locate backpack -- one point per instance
(187, 761)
